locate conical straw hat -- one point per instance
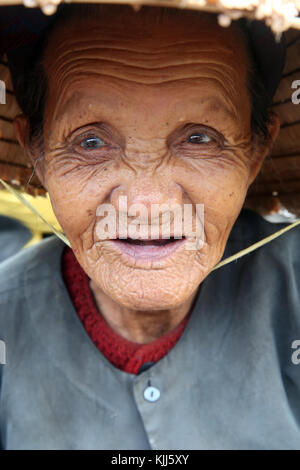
(279, 179)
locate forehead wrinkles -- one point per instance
(150, 59)
(92, 66)
(129, 60)
(156, 56)
(146, 52)
(198, 59)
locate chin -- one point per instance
(146, 304)
(153, 295)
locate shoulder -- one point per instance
(22, 276)
(38, 259)
(266, 278)
(265, 282)
(250, 228)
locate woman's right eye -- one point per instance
(199, 138)
(91, 143)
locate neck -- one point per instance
(139, 326)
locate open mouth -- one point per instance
(149, 249)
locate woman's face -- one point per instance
(159, 113)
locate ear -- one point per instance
(262, 147)
(32, 147)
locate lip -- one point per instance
(148, 252)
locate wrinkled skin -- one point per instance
(144, 88)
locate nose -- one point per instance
(147, 192)
(156, 204)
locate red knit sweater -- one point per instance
(122, 353)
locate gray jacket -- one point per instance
(232, 381)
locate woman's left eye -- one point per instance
(92, 143)
(199, 138)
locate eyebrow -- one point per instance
(215, 103)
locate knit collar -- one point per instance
(122, 353)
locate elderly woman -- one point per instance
(136, 342)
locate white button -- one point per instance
(151, 394)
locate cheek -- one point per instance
(75, 195)
(221, 186)
(225, 196)
(73, 213)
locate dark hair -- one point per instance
(31, 83)
(260, 98)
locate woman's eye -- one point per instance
(200, 138)
(92, 143)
